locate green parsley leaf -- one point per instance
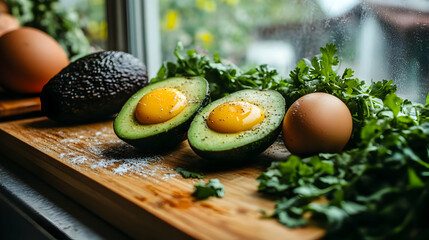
(212, 188)
(223, 78)
(189, 174)
(427, 99)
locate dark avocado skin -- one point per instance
(93, 88)
(235, 155)
(166, 140)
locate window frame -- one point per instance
(133, 27)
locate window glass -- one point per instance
(92, 15)
(378, 39)
(79, 26)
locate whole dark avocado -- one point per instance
(93, 87)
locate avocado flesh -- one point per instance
(155, 137)
(93, 87)
(243, 145)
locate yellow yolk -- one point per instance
(233, 117)
(160, 105)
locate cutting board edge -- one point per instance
(51, 175)
(19, 106)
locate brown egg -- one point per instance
(316, 123)
(3, 7)
(29, 58)
(7, 23)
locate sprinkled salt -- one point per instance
(103, 163)
(78, 160)
(101, 149)
(169, 175)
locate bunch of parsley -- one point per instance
(224, 78)
(377, 188)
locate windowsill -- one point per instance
(30, 209)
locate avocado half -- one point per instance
(155, 137)
(237, 147)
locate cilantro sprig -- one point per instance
(189, 174)
(206, 190)
(320, 75)
(224, 78)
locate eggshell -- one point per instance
(29, 58)
(7, 23)
(315, 123)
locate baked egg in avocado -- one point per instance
(239, 126)
(158, 116)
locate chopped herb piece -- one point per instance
(212, 188)
(189, 174)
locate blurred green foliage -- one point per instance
(226, 26)
(92, 15)
(51, 17)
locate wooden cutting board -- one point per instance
(11, 105)
(141, 193)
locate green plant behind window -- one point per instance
(49, 16)
(227, 26)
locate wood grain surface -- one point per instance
(11, 105)
(141, 193)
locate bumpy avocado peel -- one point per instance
(93, 88)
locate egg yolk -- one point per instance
(160, 105)
(233, 117)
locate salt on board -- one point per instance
(109, 153)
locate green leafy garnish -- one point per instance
(189, 174)
(212, 188)
(223, 78)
